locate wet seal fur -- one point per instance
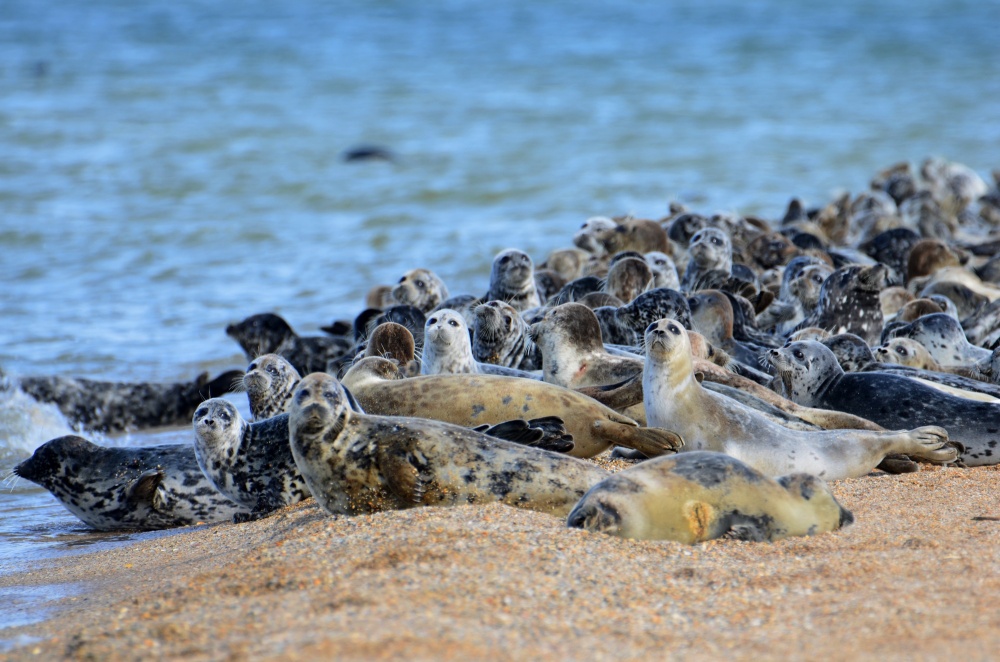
(269, 381)
(355, 463)
(674, 397)
(250, 463)
(125, 406)
(110, 489)
(267, 333)
(699, 496)
(849, 302)
(816, 380)
(472, 400)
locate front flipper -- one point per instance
(142, 491)
(407, 473)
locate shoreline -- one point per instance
(916, 575)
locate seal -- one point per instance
(853, 354)
(893, 401)
(471, 400)
(893, 299)
(712, 316)
(920, 307)
(269, 381)
(628, 278)
(512, 280)
(421, 289)
(356, 463)
(944, 339)
(586, 237)
(929, 255)
(906, 351)
(448, 349)
(267, 333)
(673, 396)
(892, 248)
(567, 262)
(250, 463)
(500, 336)
(104, 406)
(849, 302)
(664, 270)
(395, 342)
(110, 489)
(711, 263)
(699, 496)
(634, 234)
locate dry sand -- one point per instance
(918, 575)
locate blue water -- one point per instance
(170, 167)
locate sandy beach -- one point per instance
(918, 575)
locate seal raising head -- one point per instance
(421, 289)
(512, 280)
(500, 336)
(269, 381)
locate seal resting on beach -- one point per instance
(448, 349)
(471, 400)
(699, 496)
(674, 398)
(110, 489)
(270, 381)
(356, 463)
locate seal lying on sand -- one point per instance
(675, 398)
(448, 349)
(500, 336)
(698, 496)
(471, 400)
(123, 406)
(355, 463)
(154, 487)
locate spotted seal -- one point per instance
(711, 262)
(268, 333)
(250, 463)
(106, 406)
(586, 237)
(673, 396)
(891, 400)
(471, 400)
(699, 496)
(448, 349)
(944, 339)
(849, 302)
(269, 381)
(356, 463)
(906, 351)
(512, 280)
(664, 270)
(421, 289)
(500, 336)
(152, 487)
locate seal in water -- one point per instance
(500, 336)
(269, 381)
(699, 496)
(268, 333)
(674, 396)
(250, 463)
(122, 406)
(448, 349)
(471, 400)
(512, 280)
(109, 489)
(356, 463)
(421, 289)
(814, 379)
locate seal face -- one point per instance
(664, 270)
(448, 349)
(123, 406)
(908, 352)
(698, 496)
(500, 336)
(251, 464)
(269, 381)
(944, 339)
(587, 236)
(711, 262)
(268, 333)
(849, 302)
(512, 280)
(709, 421)
(355, 463)
(421, 289)
(109, 489)
(890, 400)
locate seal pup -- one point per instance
(674, 397)
(501, 336)
(906, 351)
(944, 339)
(448, 349)
(472, 400)
(269, 382)
(849, 302)
(891, 400)
(699, 496)
(356, 463)
(267, 333)
(249, 463)
(421, 289)
(109, 489)
(512, 280)
(711, 263)
(634, 234)
(105, 406)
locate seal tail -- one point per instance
(651, 442)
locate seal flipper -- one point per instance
(143, 490)
(406, 472)
(651, 442)
(616, 396)
(548, 433)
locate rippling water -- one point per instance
(169, 167)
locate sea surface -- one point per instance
(167, 168)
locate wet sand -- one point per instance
(918, 575)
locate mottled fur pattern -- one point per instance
(270, 381)
(944, 340)
(421, 289)
(109, 489)
(500, 336)
(448, 349)
(268, 333)
(512, 280)
(356, 464)
(849, 302)
(711, 262)
(250, 463)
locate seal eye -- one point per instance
(507, 321)
(673, 328)
(271, 369)
(419, 284)
(505, 259)
(901, 350)
(798, 354)
(330, 395)
(453, 322)
(715, 240)
(302, 396)
(817, 279)
(200, 413)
